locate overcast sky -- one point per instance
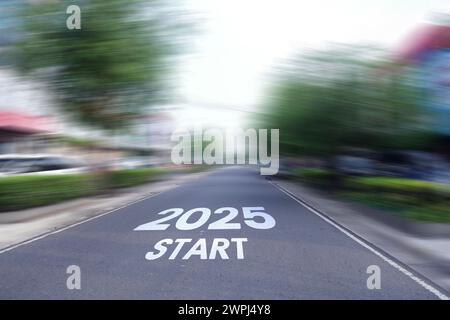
(242, 39)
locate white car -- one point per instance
(132, 163)
(39, 164)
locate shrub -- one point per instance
(20, 192)
(317, 177)
(414, 199)
(131, 177)
(402, 186)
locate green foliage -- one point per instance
(312, 173)
(405, 205)
(417, 188)
(21, 192)
(78, 142)
(412, 188)
(197, 168)
(131, 177)
(30, 191)
(106, 73)
(439, 213)
(344, 97)
(316, 177)
(410, 198)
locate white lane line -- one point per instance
(44, 235)
(366, 245)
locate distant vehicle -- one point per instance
(4, 160)
(8, 160)
(414, 164)
(39, 164)
(132, 163)
(355, 161)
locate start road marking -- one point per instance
(223, 219)
(219, 248)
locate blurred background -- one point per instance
(359, 90)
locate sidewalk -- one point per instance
(19, 226)
(428, 256)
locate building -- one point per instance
(427, 53)
(24, 133)
(426, 57)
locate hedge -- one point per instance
(21, 192)
(404, 205)
(400, 186)
(131, 177)
(313, 173)
(416, 199)
(381, 185)
(317, 177)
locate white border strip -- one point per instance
(409, 274)
(44, 235)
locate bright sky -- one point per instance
(242, 39)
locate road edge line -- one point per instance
(46, 234)
(366, 244)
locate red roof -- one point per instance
(425, 38)
(24, 123)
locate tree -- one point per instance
(345, 97)
(109, 71)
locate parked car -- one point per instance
(4, 159)
(354, 161)
(414, 164)
(39, 164)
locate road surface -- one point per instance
(272, 247)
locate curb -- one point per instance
(34, 213)
(439, 291)
(389, 218)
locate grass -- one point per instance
(410, 198)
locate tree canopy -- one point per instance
(111, 69)
(344, 97)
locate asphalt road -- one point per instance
(295, 255)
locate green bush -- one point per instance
(414, 199)
(402, 186)
(316, 177)
(22, 192)
(312, 172)
(131, 177)
(433, 213)
(406, 206)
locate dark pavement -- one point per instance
(300, 257)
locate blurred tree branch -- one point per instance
(112, 69)
(325, 100)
